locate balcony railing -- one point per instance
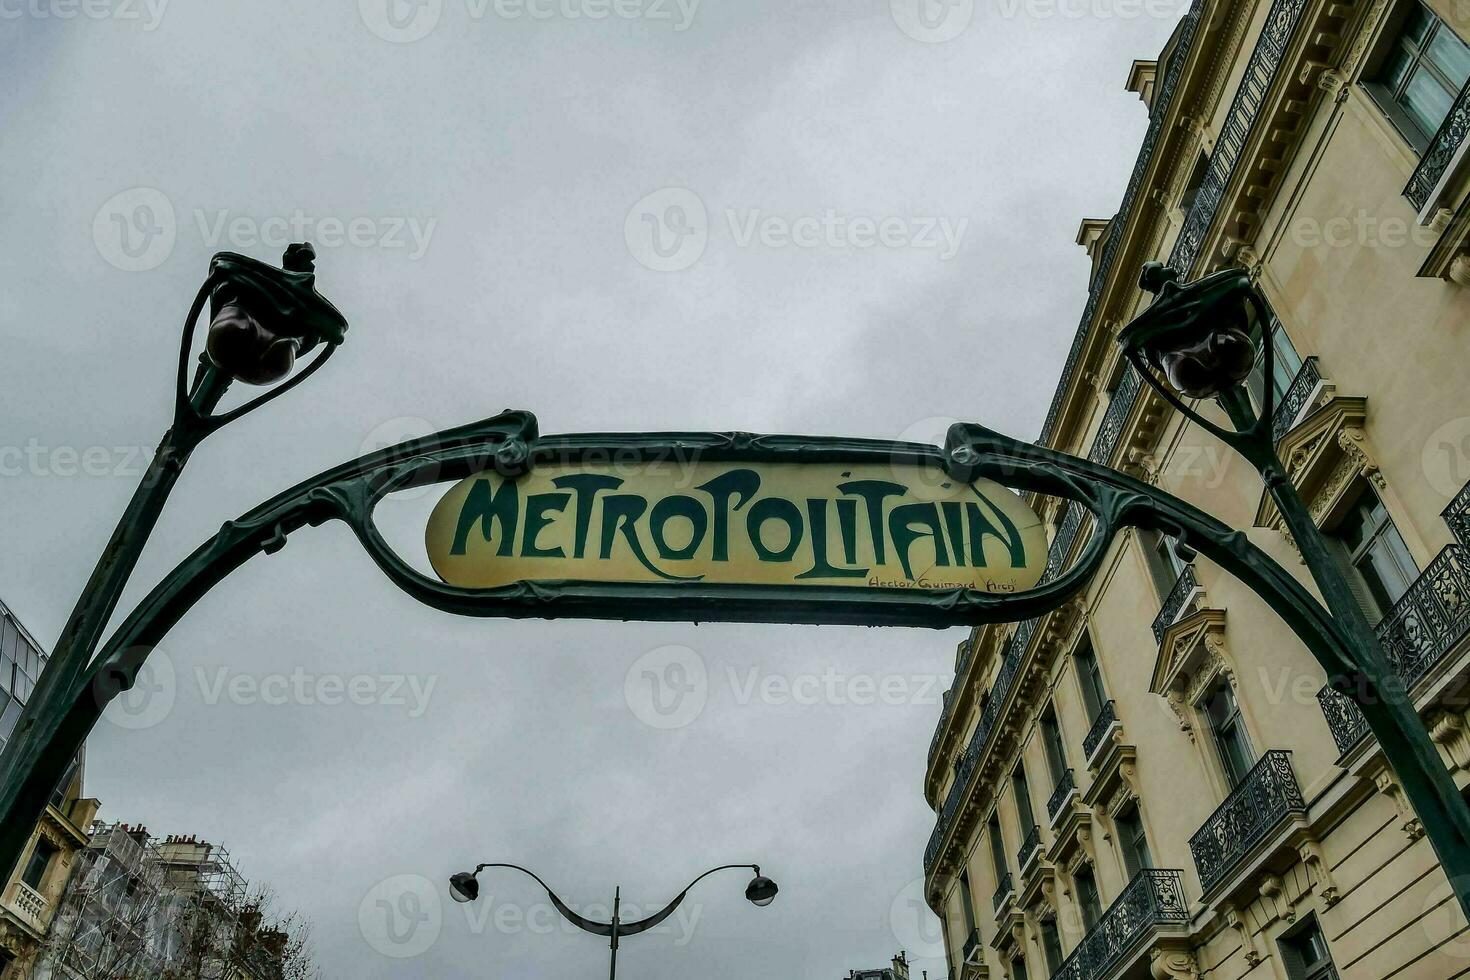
(1457, 516)
(28, 903)
(1111, 429)
(1153, 898)
(1029, 847)
(1265, 797)
(1424, 626)
(1066, 788)
(1295, 398)
(1005, 890)
(972, 943)
(1184, 587)
(1441, 151)
(1106, 718)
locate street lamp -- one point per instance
(465, 887)
(1202, 337)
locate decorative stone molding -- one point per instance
(1450, 733)
(1172, 962)
(1389, 786)
(1192, 656)
(1274, 889)
(1324, 455)
(1235, 917)
(1459, 272)
(1319, 871)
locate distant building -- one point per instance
(898, 971)
(164, 910)
(30, 897)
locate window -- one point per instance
(969, 903)
(1378, 563)
(39, 862)
(1018, 969)
(1196, 181)
(1420, 72)
(1088, 899)
(1051, 740)
(998, 850)
(1164, 564)
(1136, 853)
(1231, 738)
(1285, 365)
(1306, 954)
(1051, 946)
(1023, 798)
(1089, 675)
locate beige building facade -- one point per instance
(1153, 781)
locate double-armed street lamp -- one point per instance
(465, 887)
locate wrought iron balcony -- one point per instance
(1005, 890)
(1295, 398)
(972, 943)
(1267, 795)
(1152, 899)
(1184, 587)
(1029, 847)
(1441, 151)
(1423, 627)
(1066, 788)
(1111, 430)
(1457, 516)
(1106, 718)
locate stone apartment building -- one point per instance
(1154, 781)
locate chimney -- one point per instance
(901, 965)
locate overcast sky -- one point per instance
(483, 182)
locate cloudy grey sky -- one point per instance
(483, 181)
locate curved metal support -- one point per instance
(606, 928)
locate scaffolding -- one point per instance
(140, 908)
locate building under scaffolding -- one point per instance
(141, 908)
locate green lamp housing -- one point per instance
(1200, 335)
(262, 317)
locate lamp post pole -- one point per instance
(465, 887)
(1198, 335)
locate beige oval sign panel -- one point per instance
(874, 526)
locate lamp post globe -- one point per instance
(464, 887)
(761, 891)
(1200, 335)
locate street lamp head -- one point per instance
(262, 317)
(761, 891)
(1199, 334)
(464, 887)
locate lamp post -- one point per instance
(465, 887)
(1200, 337)
(261, 319)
